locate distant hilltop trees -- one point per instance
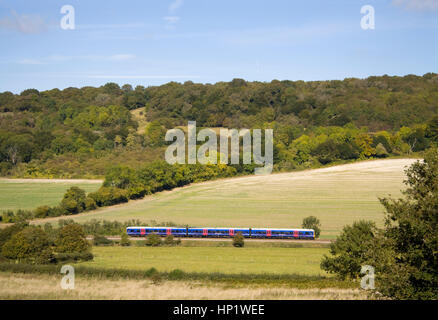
(79, 132)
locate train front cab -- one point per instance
(133, 231)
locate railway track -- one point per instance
(228, 239)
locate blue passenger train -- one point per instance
(257, 233)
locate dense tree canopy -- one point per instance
(79, 131)
(411, 234)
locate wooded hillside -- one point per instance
(80, 132)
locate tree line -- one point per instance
(123, 183)
(22, 243)
(78, 132)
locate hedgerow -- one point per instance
(292, 280)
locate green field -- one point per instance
(337, 195)
(22, 194)
(303, 261)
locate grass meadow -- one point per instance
(337, 195)
(29, 194)
(227, 260)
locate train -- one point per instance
(254, 233)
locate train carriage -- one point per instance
(256, 233)
(161, 231)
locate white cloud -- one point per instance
(171, 20)
(28, 24)
(417, 4)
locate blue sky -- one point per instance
(146, 43)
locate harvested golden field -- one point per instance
(32, 286)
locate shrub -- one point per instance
(330, 151)
(42, 212)
(73, 201)
(312, 222)
(30, 245)
(350, 250)
(238, 240)
(8, 216)
(170, 241)
(411, 234)
(71, 239)
(176, 274)
(381, 151)
(101, 241)
(56, 211)
(8, 232)
(90, 204)
(108, 196)
(51, 233)
(124, 241)
(23, 215)
(153, 240)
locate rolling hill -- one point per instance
(337, 195)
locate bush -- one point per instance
(381, 151)
(56, 211)
(8, 232)
(90, 204)
(350, 250)
(30, 245)
(410, 237)
(73, 201)
(153, 240)
(312, 222)
(124, 241)
(108, 196)
(238, 240)
(42, 212)
(330, 151)
(71, 239)
(170, 241)
(23, 215)
(8, 216)
(176, 274)
(101, 241)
